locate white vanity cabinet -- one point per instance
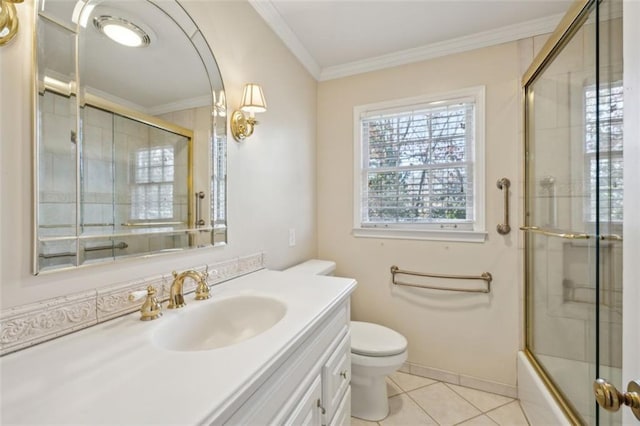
(311, 386)
(295, 372)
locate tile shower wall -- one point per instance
(57, 186)
(199, 121)
(565, 281)
(98, 174)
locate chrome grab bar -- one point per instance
(504, 228)
(485, 276)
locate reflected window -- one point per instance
(609, 166)
(152, 191)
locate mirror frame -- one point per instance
(217, 138)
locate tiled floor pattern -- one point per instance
(415, 400)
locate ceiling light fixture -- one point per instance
(122, 31)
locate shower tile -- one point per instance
(510, 414)
(568, 339)
(484, 401)
(443, 404)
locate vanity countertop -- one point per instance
(113, 372)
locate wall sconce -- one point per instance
(8, 20)
(252, 102)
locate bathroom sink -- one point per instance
(223, 323)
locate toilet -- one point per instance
(376, 351)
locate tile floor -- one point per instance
(415, 400)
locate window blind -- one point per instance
(417, 164)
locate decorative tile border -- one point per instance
(24, 326)
(28, 325)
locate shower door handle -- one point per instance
(611, 399)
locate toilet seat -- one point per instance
(375, 340)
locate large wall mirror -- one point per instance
(130, 124)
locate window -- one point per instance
(420, 169)
(610, 152)
(152, 192)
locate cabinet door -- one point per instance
(343, 413)
(308, 412)
(336, 375)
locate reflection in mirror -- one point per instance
(131, 141)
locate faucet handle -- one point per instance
(134, 296)
(203, 290)
(151, 308)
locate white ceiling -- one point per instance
(335, 38)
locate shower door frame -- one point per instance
(571, 23)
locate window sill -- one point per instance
(420, 234)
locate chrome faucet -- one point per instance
(176, 293)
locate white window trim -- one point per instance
(478, 234)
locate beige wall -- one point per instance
(470, 334)
(271, 176)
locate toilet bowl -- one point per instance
(376, 351)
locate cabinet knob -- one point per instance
(343, 374)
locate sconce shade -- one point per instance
(253, 99)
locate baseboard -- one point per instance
(460, 379)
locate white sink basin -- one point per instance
(222, 323)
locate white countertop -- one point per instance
(113, 372)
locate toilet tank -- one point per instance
(314, 267)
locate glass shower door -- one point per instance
(573, 210)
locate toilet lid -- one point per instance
(375, 340)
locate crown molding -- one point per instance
(271, 16)
(462, 44)
(435, 50)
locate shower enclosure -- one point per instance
(573, 208)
